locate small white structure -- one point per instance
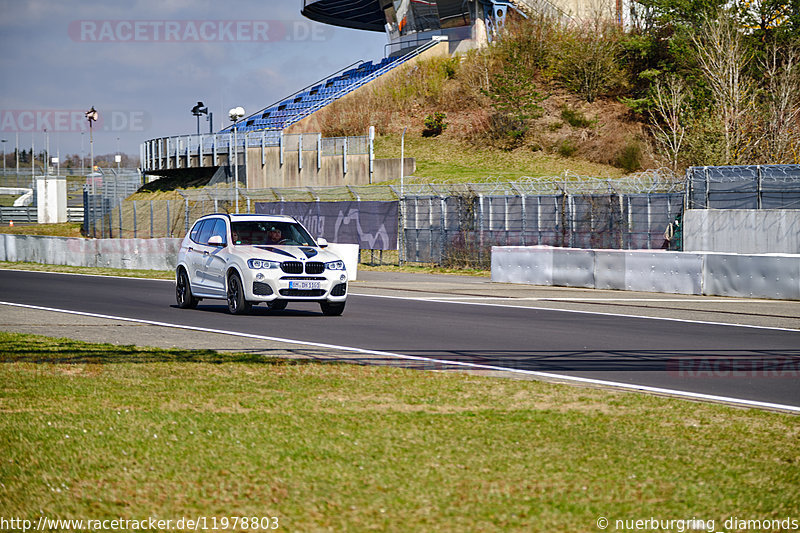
(51, 199)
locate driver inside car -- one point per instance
(274, 236)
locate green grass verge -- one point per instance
(169, 274)
(99, 271)
(66, 229)
(102, 431)
(444, 160)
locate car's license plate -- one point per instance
(304, 285)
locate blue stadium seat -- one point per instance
(286, 112)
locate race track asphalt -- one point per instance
(731, 348)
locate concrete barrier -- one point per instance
(774, 276)
(133, 254)
(138, 254)
(742, 231)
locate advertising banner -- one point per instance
(371, 225)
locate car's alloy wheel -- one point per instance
(332, 309)
(183, 292)
(237, 305)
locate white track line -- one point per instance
(576, 311)
(444, 362)
(578, 299)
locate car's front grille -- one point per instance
(261, 289)
(339, 290)
(315, 267)
(301, 278)
(292, 267)
(302, 292)
(296, 267)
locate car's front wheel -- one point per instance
(237, 305)
(331, 308)
(183, 292)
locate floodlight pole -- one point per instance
(235, 114)
(235, 170)
(91, 116)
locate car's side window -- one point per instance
(220, 230)
(195, 233)
(205, 231)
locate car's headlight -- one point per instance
(335, 265)
(262, 263)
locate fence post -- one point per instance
(480, 226)
(442, 222)
(371, 151)
(86, 212)
(151, 219)
(134, 220)
(186, 200)
(169, 221)
(649, 222)
(416, 228)
(344, 155)
(120, 218)
(319, 151)
(758, 187)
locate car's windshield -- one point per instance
(261, 232)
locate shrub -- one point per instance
(576, 118)
(506, 132)
(589, 63)
(434, 124)
(567, 148)
(630, 156)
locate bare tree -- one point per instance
(723, 56)
(782, 103)
(670, 99)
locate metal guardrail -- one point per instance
(30, 215)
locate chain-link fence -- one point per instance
(743, 187)
(452, 224)
(102, 192)
(460, 230)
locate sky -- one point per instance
(143, 65)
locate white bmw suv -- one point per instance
(252, 259)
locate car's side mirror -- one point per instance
(215, 240)
(322, 242)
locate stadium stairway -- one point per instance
(314, 97)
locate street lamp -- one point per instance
(235, 114)
(198, 110)
(91, 116)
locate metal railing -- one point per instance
(180, 151)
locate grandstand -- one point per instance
(312, 98)
(412, 27)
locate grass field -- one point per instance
(442, 160)
(102, 431)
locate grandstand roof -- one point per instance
(356, 14)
